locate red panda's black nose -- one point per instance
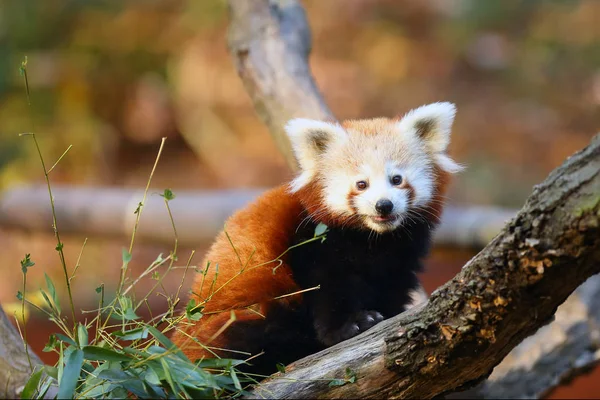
(384, 206)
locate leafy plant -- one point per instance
(116, 354)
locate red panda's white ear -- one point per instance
(310, 139)
(431, 123)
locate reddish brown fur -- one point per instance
(436, 205)
(260, 233)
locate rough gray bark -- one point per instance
(504, 294)
(199, 216)
(558, 351)
(269, 41)
(14, 367)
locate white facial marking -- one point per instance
(339, 157)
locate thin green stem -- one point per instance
(139, 214)
(78, 262)
(25, 343)
(187, 266)
(173, 257)
(59, 246)
(139, 210)
(60, 158)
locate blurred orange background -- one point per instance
(112, 78)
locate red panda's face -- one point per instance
(374, 173)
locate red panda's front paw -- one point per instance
(359, 322)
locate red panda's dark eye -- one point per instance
(396, 180)
(361, 185)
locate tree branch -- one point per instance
(269, 41)
(14, 367)
(504, 294)
(199, 215)
(557, 352)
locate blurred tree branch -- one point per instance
(108, 212)
(270, 41)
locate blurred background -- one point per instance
(112, 78)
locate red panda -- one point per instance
(378, 186)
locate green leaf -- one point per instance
(168, 194)
(99, 288)
(70, 375)
(168, 376)
(151, 377)
(52, 291)
(51, 345)
(51, 371)
(126, 309)
(66, 339)
(218, 363)
(167, 343)
(133, 334)
(139, 208)
(44, 389)
(119, 392)
(26, 263)
(236, 381)
(337, 382)
(350, 375)
(130, 315)
(59, 247)
(155, 275)
(193, 312)
(126, 256)
(320, 229)
(32, 384)
(82, 335)
(48, 302)
(280, 368)
(96, 353)
(23, 66)
(20, 295)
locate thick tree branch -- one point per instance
(14, 366)
(269, 41)
(199, 216)
(504, 294)
(558, 351)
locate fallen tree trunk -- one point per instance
(504, 294)
(199, 216)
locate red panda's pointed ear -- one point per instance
(310, 139)
(431, 123)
